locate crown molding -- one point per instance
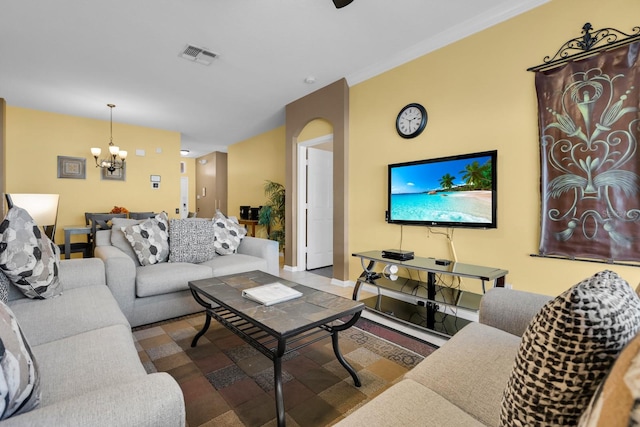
(464, 29)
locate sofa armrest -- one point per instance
(120, 273)
(155, 400)
(262, 248)
(510, 310)
(75, 273)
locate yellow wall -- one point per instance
(479, 97)
(315, 129)
(36, 138)
(249, 164)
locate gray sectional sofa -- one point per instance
(460, 384)
(148, 294)
(90, 372)
(530, 360)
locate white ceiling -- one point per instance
(75, 56)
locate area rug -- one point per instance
(226, 382)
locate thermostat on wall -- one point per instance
(155, 181)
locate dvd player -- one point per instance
(397, 254)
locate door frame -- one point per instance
(301, 265)
(184, 210)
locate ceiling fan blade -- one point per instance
(341, 3)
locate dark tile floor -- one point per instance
(227, 382)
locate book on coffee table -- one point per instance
(270, 294)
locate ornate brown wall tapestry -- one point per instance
(589, 123)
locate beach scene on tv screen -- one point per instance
(457, 190)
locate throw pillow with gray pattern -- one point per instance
(20, 391)
(567, 350)
(150, 239)
(5, 283)
(119, 240)
(228, 234)
(28, 257)
(192, 240)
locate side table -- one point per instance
(76, 229)
(249, 222)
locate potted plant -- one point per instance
(272, 213)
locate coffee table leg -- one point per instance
(207, 323)
(336, 347)
(277, 381)
(277, 377)
(343, 361)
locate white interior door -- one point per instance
(184, 196)
(319, 208)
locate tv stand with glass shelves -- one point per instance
(426, 303)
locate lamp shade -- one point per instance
(43, 208)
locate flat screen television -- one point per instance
(455, 191)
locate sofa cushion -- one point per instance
(616, 403)
(170, 277)
(27, 256)
(476, 391)
(150, 239)
(409, 403)
(567, 349)
(119, 240)
(82, 363)
(20, 377)
(228, 234)
(236, 263)
(76, 311)
(192, 240)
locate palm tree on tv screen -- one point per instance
(476, 176)
(446, 181)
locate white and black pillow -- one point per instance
(567, 350)
(119, 240)
(28, 257)
(150, 239)
(228, 234)
(5, 283)
(192, 240)
(19, 376)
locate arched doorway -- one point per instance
(330, 103)
(315, 196)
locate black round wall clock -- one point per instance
(411, 120)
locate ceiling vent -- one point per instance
(198, 54)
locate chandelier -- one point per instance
(116, 157)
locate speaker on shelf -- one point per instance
(244, 212)
(255, 213)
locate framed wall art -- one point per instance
(117, 175)
(72, 167)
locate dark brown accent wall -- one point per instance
(332, 104)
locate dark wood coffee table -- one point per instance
(278, 329)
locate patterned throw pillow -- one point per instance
(191, 240)
(28, 257)
(228, 234)
(616, 403)
(567, 350)
(119, 240)
(19, 377)
(4, 287)
(150, 239)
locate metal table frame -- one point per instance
(273, 344)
